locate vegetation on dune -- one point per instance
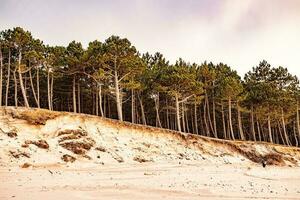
(36, 117)
(112, 79)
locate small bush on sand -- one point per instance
(19, 154)
(68, 158)
(75, 141)
(100, 148)
(75, 132)
(78, 147)
(26, 165)
(141, 159)
(40, 143)
(12, 133)
(273, 159)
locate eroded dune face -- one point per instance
(40, 137)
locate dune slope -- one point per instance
(47, 155)
(38, 137)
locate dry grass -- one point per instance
(116, 156)
(76, 132)
(26, 165)
(69, 139)
(100, 148)
(24, 145)
(68, 158)
(18, 154)
(12, 133)
(250, 152)
(141, 159)
(40, 143)
(77, 147)
(35, 116)
(274, 159)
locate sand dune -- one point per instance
(50, 155)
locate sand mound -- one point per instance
(40, 136)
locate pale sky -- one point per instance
(236, 32)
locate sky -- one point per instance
(240, 33)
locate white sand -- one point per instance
(151, 181)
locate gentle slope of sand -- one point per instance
(151, 181)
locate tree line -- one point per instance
(112, 79)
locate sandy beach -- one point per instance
(151, 181)
(84, 157)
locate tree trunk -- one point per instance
(252, 123)
(277, 136)
(280, 132)
(284, 128)
(230, 118)
(133, 120)
(8, 78)
(201, 121)
(240, 122)
(205, 120)
(100, 101)
(96, 101)
(142, 110)
(16, 88)
(228, 128)
(109, 107)
(192, 120)
(269, 128)
(33, 90)
(295, 135)
(138, 117)
(183, 117)
(208, 114)
(118, 98)
(196, 119)
(223, 121)
(258, 130)
(187, 120)
(69, 106)
(21, 80)
(74, 95)
(49, 90)
(214, 118)
(156, 102)
(177, 113)
(79, 100)
(105, 97)
(173, 122)
(167, 113)
(38, 84)
(297, 118)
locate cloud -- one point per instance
(239, 33)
